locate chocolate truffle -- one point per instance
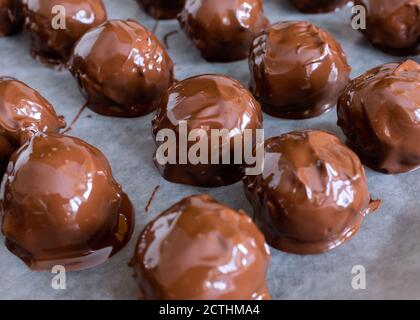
(61, 205)
(122, 69)
(23, 112)
(319, 6)
(56, 25)
(393, 25)
(312, 195)
(379, 114)
(223, 29)
(162, 9)
(206, 103)
(11, 19)
(297, 70)
(200, 249)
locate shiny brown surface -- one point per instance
(23, 112)
(53, 46)
(200, 249)
(393, 25)
(122, 69)
(297, 70)
(61, 205)
(312, 195)
(11, 19)
(207, 102)
(319, 6)
(223, 29)
(379, 114)
(162, 9)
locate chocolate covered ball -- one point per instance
(61, 205)
(297, 70)
(11, 19)
(223, 29)
(23, 112)
(122, 69)
(200, 249)
(379, 114)
(393, 25)
(162, 9)
(319, 6)
(199, 106)
(312, 195)
(56, 25)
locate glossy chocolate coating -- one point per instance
(312, 195)
(53, 46)
(122, 69)
(162, 9)
(11, 19)
(23, 112)
(393, 25)
(200, 249)
(379, 114)
(207, 102)
(223, 29)
(61, 205)
(297, 70)
(319, 6)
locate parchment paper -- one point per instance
(388, 245)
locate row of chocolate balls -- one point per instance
(297, 69)
(60, 204)
(222, 30)
(390, 25)
(401, 74)
(170, 9)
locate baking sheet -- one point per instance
(388, 245)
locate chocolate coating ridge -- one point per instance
(297, 70)
(207, 102)
(379, 114)
(122, 69)
(312, 195)
(53, 46)
(61, 205)
(223, 29)
(319, 6)
(11, 20)
(23, 112)
(200, 249)
(393, 25)
(162, 9)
